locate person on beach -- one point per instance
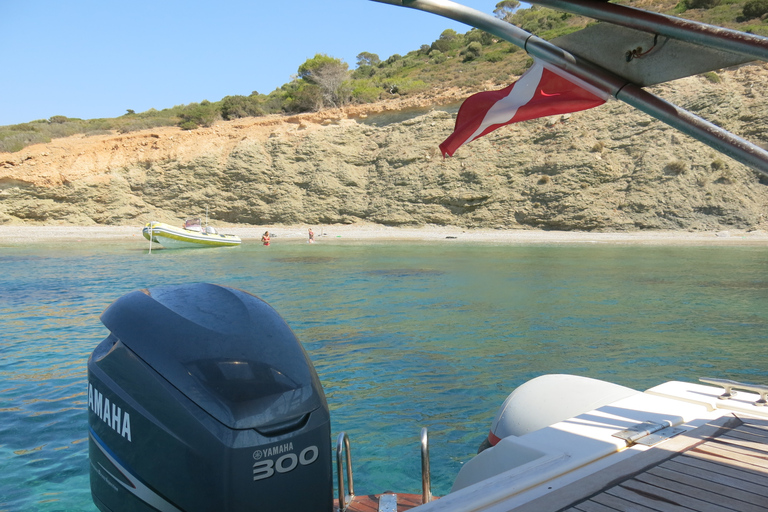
(311, 236)
(265, 238)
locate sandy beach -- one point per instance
(24, 234)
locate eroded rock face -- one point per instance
(609, 168)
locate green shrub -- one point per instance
(496, 56)
(405, 86)
(135, 125)
(234, 107)
(506, 9)
(12, 141)
(274, 102)
(204, 113)
(65, 129)
(759, 30)
(306, 98)
(368, 59)
(480, 36)
(449, 40)
(701, 4)
(363, 72)
(437, 57)
(365, 91)
(755, 9)
(23, 127)
(558, 32)
(310, 67)
(539, 19)
(473, 51)
(713, 77)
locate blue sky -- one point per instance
(92, 59)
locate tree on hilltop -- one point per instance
(506, 8)
(368, 59)
(330, 76)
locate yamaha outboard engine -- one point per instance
(201, 398)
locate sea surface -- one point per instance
(402, 335)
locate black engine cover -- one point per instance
(201, 398)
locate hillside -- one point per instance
(471, 62)
(609, 168)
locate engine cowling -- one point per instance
(202, 398)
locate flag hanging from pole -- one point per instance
(538, 93)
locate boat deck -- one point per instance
(719, 467)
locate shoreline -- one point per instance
(23, 234)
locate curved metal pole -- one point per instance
(696, 127)
(577, 67)
(696, 32)
(601, 79)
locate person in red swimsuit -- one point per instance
(265, 238)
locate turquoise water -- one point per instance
(403, 336)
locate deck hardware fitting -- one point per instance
(648, 433)
(387, 503)
(730, 385)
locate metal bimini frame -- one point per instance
(695, 32)
(612, 84)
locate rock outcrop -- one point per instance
(609, 168)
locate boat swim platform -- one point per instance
(721, 466)
(374, 502)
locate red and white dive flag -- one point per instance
(538, 93)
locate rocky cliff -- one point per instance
(609, 168)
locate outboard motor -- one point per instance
(201, 398)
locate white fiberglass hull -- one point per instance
(172, 237)
(521, 471)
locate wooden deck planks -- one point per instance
(747, 436)
(733, 488)
(743, 459)
(591, 506)
(664, 498)
(719, 478)
(620, 500)
(741, 440)
(721, 467)
(716, 468)
(705, 498)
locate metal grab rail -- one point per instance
(342, 443)
(730, 385)
(426, 483)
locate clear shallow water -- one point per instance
(402, 336)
